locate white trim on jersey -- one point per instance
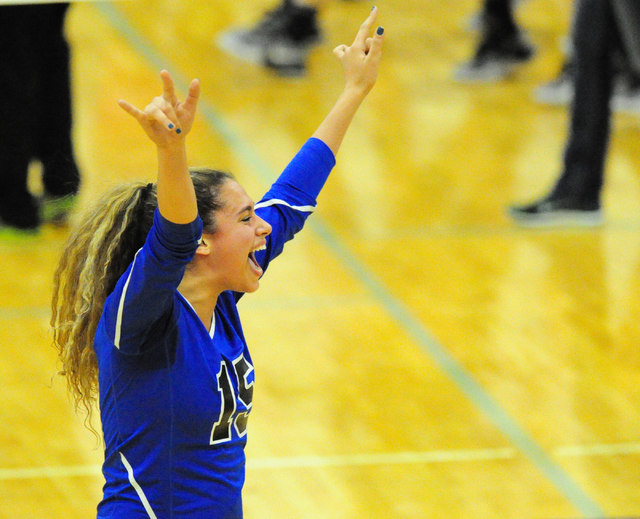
(116, 339)
(212, 328)
(138, 489)
(276, 201)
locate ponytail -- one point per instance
(94, 258)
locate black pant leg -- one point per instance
(18, 110)
(498, 20)
(595, 40)
(54, 142)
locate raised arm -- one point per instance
(360, 63)
(167, 121)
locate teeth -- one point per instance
(262, 247)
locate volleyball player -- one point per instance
(145, 305)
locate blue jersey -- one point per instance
(175, 396)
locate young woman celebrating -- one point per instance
(144, 307)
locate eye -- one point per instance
(247, 219)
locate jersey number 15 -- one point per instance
(240, 369)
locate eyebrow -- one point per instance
(245, 209)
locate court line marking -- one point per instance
(395, 308)
(612, 449)
(353, 460)
(294, 462)
(395, 458)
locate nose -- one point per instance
(263, 228)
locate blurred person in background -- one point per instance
(626, 88)
(501, 47)
(601, 28)
(35, 103)
(281, 40)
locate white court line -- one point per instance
(445, 456)
(383, 458)
(426, 457)
(611, 449)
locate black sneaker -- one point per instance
(281, 40)
(557, 212)
(495, 59)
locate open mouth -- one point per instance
(253, 262)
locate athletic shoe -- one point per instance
(626, 95)
(557, 212)
(495, 59)
(558, 91)
(281, 40)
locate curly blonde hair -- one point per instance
(96, 254)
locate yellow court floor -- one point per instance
(417, 355)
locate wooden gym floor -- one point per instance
(417, 355)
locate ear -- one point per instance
(204, 248)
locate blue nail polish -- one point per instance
(171, 126)
(373, 7)
(380, 31)
(178, 130)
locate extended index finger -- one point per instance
(131, 110)
(365, 29)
